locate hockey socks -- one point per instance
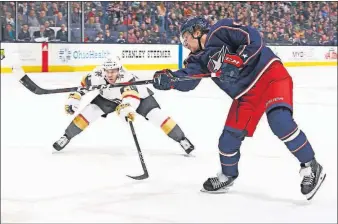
(285, 128)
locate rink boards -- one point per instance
(58, 57)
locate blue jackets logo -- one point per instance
(216, 60)
(66, 54)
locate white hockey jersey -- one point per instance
(127, 94)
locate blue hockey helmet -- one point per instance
(193, 23)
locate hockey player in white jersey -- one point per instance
(126, 101)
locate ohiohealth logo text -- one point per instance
(66, 54)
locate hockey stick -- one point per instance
(34, 88)
(145, 174)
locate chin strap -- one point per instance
(199, 42)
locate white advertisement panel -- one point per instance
(301, 55)
(26, 54)
(94, 54)
(305, 53)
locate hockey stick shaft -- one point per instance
(145, 171)
(34, 88)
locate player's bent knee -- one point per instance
(88, 115)
(147, 105)
(281, 122)
(91, 112)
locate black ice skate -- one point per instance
(219, 184)
(61, 143)
(313, 176)
(186, 145)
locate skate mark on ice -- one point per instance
(266, 197)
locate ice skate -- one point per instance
(186, 145)
(218, 185)
(61, 143)
(313, 176)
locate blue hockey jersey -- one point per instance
(243, 41)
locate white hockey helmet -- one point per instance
(112, 64)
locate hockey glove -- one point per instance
(164, 80)
(124, 110)
(229, 71)
(73, 103)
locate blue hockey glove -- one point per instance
(164, 80)
(229, 71)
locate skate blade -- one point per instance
(219, 191)
(310, 195)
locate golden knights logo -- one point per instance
(216, 60)
(2, 54)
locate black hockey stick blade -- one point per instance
(34, 88)
(141, 177)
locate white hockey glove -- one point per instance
(73, 103)
(125, 110)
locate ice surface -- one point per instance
(86, 182)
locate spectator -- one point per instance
(76, 16)
(9, 19)
(174, 40)
(91, 23)
(139, 38)
(31, 6)
(41, 33)
(108, 37)
(171, 32)
(50, 33)
(281, 18)
(53, 10)
(145, 35)
(9, 33)
(131, 37)
(42, 17)
(22, 8)
(99, 38)
(32, 21)
(121, 39)
(161, 12)
(60, 20)
(43, 7)
(24, 35)
(62, 34)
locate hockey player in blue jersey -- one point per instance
(255, 78)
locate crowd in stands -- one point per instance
(283, 23)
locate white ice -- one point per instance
(87, 181)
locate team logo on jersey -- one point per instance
(2, 54)
(216, 60)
